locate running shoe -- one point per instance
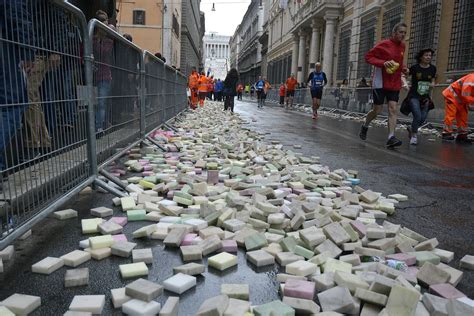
(414, 140)
(393, 142)
(363, 132)
(463, 139)
(447, 136)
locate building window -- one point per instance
(343, 55)
(139, 17)
(390, 18)
(366, 42)
(461, 49)
(424, 27)
(175, 25)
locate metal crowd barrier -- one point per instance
(116, 83)
(163, 95)
(154, 90)
(358, 101)
(73, 97)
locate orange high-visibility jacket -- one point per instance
(461, 91)
(203, 82)
(266, 87)
(193, 80)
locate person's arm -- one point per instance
(373, 57)
(410, 71)
(325, 79)
(405, 82)
(405, 77)
(309, 78)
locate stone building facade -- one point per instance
(338, 33)
(192, 32)
(143, 20)
(246, 50)
(173, 28)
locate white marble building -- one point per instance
(216, 54)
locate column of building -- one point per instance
(328, 52)
(301, 56)
(294, 55)
(315, 44)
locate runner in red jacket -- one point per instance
(387, 57)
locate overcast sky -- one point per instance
(228, 15)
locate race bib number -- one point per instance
(423, 87)
(317, 84)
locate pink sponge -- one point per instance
(122, 220)
(188, 239)
(119, 237)
(446, 290)
(299, 289)
(229, 246)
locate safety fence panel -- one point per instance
(302, 96)
(169, 94)
(116, 84)
(360, 100)
(43, 107)
(154, 91)
(182, 98)
(272, 95)
(73, 96)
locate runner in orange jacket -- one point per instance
(202, 88)
(210, 88)
(193, 86)
(459, 99)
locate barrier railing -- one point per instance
(73, 97)
(359, 100)
(154, 90)
(116, 82)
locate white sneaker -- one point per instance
(413, 140)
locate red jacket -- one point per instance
(282, 90)
(384, 51)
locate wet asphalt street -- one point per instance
(437, 177)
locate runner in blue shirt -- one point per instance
(316, 81)
(218, 88)
(259, 85)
